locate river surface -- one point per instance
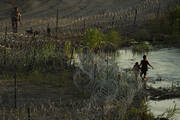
(159, 107)
(166, 63)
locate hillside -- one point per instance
(72, 13)
(41, 8)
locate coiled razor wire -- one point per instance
(101, 76)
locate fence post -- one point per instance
(107, 60)
(135, 16)
(113, 21)
(1, 27)
(5, 45)
(57, 21)
(48, 30)
(4, 114)
(34, 51)
(72, 52)
(84, 25)
(158, 10)
(29, 113)
(15, 92)
(95, 69)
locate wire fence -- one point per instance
(104, 19)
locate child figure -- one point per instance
(136, 69)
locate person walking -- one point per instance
(15, 18)
(144, 68)
(136, 69)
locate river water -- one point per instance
(166, 63)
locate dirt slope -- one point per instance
(39, 13)
(41, 8)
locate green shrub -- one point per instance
(93, 38)
(96, 40)
(142, 47)
(114, 38)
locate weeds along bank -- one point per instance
(36, 59)
(103, 91)
(42, 56)
(27, 52)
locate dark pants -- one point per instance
(14, 25)
(143, 72)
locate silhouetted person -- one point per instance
(136, 69)
(144, 66)
(15, 18)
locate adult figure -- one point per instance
(144, 68)
(15, 18)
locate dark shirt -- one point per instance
(144, 64)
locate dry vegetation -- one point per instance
(51, 84)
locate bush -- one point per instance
(93, 38)
(114, 38)
(142, 47)
(96, 40)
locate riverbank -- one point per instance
(48, 74)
